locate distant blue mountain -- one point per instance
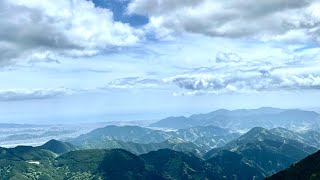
(293, 119)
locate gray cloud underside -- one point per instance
(266, 19)
(25, 28)
(66, 27)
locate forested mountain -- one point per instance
(132, 152)
(308, 168)
(266, 152)
(140, 140)
(36, 163)
(58, 147)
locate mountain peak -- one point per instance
(58, 147)
(175, 140)
(257, 130)
(257, 134)
(221, 111)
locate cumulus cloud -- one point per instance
(31, 94)
(264, 19)
(234, 74)
(68, 27)
(134, 82)
(249, 81)
(237, 72)
(227, 57)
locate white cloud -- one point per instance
(68, 27)
(264, 19)
(232, 73)
(242, 81)
(31, 94)
(227, 57)
(134, 82)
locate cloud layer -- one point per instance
(225, 46)
(135, 82)
(232, 73)
(293, 20)
(31, 94)
(242, 82)
(68, 27)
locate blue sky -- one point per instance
(77, 60)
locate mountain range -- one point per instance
(243, 119)
(140, 140)
(195, 152)
(36, 163)
(267, 152)
(256, 154)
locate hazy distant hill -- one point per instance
(142, 140)
(123, 133)
(311, 138)
(11, 125)
(293, 119)
(179, 122)
(27, 136)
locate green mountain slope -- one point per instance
(25, 162)
(176, 165)
(308, 168)
(263, 149)
(100, 164)
(232, 165)
(58, 147)
(106, 164)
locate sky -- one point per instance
(68, 61)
